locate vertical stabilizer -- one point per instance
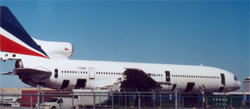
(14, 38)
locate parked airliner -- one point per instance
(47, 64)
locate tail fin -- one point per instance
(14, 38)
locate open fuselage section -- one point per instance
(70, 74)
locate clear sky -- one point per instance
(212, 33)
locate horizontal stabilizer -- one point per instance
(29, 71)
(32, 77)
(8, 73)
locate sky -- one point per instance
(211, 33)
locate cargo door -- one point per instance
(65, 84)
(190, 87)
(80, 84)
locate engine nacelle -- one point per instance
(56, 50)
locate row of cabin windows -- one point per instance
(85, 72)
(116, 73)
(81, 72)
(109, 73)
(155, 74)
(192, 76)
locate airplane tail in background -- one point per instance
(14, 39)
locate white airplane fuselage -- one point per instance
(99, 74)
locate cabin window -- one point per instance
(56, 73)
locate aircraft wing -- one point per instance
(137, 79)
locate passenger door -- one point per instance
(167, 76)
(223, 79)
(91, 73)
